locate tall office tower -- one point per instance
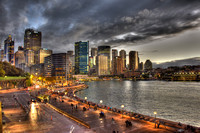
(81, 57)
(69, 63)
(9, 50)
(42, 53)
(48, 66)
(141, 66)
(122, 54)
(114, 63)
(32, 41)
(148, 65)
(55, 65)
(102, 67)
(19, 57)
(119, 64)
(105, 50)
(1, 54)
(29, 57)
(93, 52)
(133, 60)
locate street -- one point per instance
(40, 118)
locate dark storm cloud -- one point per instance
(111, 22)
(190, 61)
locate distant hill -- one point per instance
(189, 61)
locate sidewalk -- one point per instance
(106, 124)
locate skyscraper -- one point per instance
(29, 58)
(42, 53)
(133, 60)
(105, 50)
(119, 65)
(114, 63)
(93, 52)
(141, 66)
(102, 67)
(81, 57)
(122, 54)
(32, 41)
(9, 50)
(19, 57)
(148, 65)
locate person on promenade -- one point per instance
(76, 107)
(113, 121)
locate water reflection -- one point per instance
(177, 101)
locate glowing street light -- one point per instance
(122, 106)
(85, 98)
(155, 118)
(101, 101)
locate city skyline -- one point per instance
(161, 31)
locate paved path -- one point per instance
(106, 125)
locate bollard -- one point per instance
(51, 117)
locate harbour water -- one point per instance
(176, 101)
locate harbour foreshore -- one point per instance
(132, 115)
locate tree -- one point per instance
(2, 72)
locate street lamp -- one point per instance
(155, 118)
(101, 101)
(85, 98)
(122, 106)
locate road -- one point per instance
(40, 118)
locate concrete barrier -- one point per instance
(70, 116)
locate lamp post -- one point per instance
(101, 101)
(155, 118)
(122, 106)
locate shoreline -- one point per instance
(132, 115)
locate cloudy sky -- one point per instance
(161, 30)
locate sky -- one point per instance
(160, 30)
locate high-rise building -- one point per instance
(9, 50)
(148, 65)
(55, 65)
(32, 41)
(93, 52)
(1, 53)
(19, 57)
(70, 64)
(102, 67)
(29, 57)
(122, 54)
(105, 50)
(141, 66)
(48, 66)
(119, 65)
(81, 57)
(133, 60)
(42, 53)
(37, 69)
(114, 63)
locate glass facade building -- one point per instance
(105, 50)
(9, 50)
(81, 57)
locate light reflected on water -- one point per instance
(176, 101)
